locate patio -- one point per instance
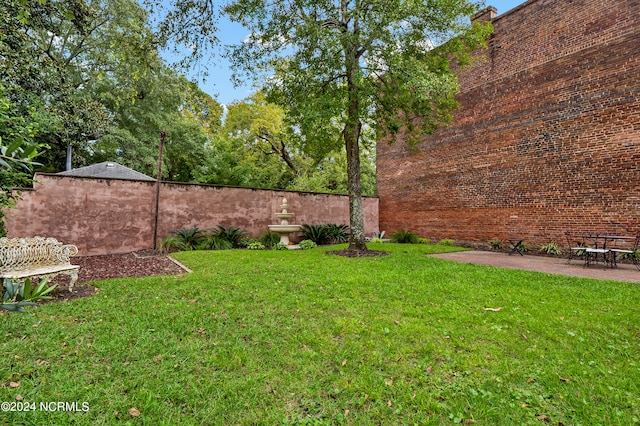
(551, 265)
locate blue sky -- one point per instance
(218, 83)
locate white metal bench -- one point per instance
(37, 257)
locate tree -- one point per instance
(58, 54)
(358, 64)
(260, 146)
(17, 154)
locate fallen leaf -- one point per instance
(388, 381)
(493, 309)
(42, 362)
(396, 322)
(468, 422)
(14, 384)
(389, 403)
(202, 331)
(543, 417)
(134, 412)
(193, 300)
(346, 413)
(344, 362)
(429, 369)
(531, 380)
(158, 358)
(562, 379)
(525, 405)
(19, 397)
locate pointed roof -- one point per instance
(107, 170)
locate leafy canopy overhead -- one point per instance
(318, 57)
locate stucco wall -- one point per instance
(546, 140)
(116, 216)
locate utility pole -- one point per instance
(163, 136)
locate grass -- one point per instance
(300, 337)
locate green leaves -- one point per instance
(19, 294)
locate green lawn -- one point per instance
(302, 337)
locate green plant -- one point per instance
(19, 294)
(269, 239)
(337, 234)
(629, 256)
(551, 248)
(404, 236)
(315, 233)
(171, 244)
(255, 245)
(231, 234)
(424, 240)
(376, 240)
(307, 244)
(495, 244)
(280, 246)
(446, 242)
(183, 239)
(215, 242)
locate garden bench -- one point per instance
(36, 257)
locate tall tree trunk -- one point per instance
(351, 135)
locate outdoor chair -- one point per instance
(577, 245)
(586, 246)
(627, 248)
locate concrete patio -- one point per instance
(551, 265)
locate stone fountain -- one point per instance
(284, 229)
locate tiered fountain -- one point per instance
(284, 229)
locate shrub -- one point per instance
(18, 294)
(337, 234)
(446, 242)
(404, 236)
(280, 246)
(215, 242)
(376, 240)
(495, 244)
(307, 244)
(629, 256)
(182, 239)
(255, 245)
(315, 233)
(270, 239)
(230, 234)
(172, 243)
(551, 248)
(424, 240)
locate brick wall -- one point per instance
(117, 216)
(547, 138)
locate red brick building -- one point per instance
(547, 137)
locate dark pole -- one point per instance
(163, 135)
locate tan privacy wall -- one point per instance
(118, 216)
